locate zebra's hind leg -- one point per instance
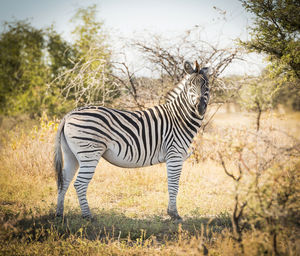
(68, 172)
(86, 171)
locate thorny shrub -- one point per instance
(265, 166)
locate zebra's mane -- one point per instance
(174, 93)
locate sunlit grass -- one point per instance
(128, 205)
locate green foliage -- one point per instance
(257, 94)
(90, 81)
(29, 58)
(264, 93)
(21, 65)
(288, 96)
(88, 31)
(32, 59)
(276, 33)
(61, 54)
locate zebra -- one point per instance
(131, 139)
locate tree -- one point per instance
(62, 55)
(163, 57)
(88, 31)
(276, 32)
(89, 81)
(29, 58)
(21, 65)
(257, 94)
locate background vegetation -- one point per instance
(239, 191)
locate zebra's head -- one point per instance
(197, 86)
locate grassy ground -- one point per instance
(129, 205)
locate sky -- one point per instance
(222, 20)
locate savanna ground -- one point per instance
(129, 205)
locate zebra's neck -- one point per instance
(174, 93)
(185, 116)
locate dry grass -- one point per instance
(129, 205)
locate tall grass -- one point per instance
(129, 205)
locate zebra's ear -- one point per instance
(188, 67)
(205, 71)
(196, 67)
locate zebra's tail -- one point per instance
(58, 160)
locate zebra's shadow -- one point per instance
(114, 225)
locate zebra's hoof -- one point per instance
(59, 215)
(176, 219)
(174, 216)
(88, 217)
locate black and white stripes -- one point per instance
(131, 139)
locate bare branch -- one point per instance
(225, 168)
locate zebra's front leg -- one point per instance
(174, 166)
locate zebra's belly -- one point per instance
(114, 159)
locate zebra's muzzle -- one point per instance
(202, 106)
